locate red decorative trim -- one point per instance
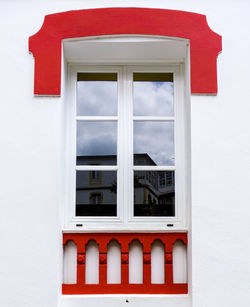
(125, 239)
(147, 258)
(80, 258)
(46, 43)
(124, 258)
(168, 258)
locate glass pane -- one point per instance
(154, 193)
(96, 94)
(153, 94)
(153, 143)
(96, 193)
(96, 142)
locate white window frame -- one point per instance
(124, 221)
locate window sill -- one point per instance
(132, 228)
(114, 300)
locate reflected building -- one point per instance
(96, 191)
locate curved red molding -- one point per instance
(46, 43)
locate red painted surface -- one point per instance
(124, 239)
(46, 44)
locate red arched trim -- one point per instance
(46, 43)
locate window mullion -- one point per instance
(127, 144)
(120, 148)
(179, 146)
(71, 148)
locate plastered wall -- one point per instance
(31, 134)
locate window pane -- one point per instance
(153, 143)
(96, 142)
(96, 94)
(154, 193)
(153, 94)
(96, 193)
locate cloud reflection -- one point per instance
(96, 138)
(153, 98)
(156, 139)
(96, 98)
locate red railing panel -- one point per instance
(124, 239)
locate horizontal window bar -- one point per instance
(93, 118)
(154, 168)
(96, 167)
(154, 118)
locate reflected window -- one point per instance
(155, 140)
(151, 198)
(95, 177)
(95, 198)
(162, 180)
(99, 199)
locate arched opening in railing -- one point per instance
(69, 262)
(157, 262)
(92, 263)
(114, 263)
(135, 262)
(179, 262)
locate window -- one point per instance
(147, 191)
(95, 177)
(95, 198)
(166, 38)
(126, 153)
(126, 147)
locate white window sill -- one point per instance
(114, 300)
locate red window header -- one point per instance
(45, 45)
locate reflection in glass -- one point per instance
(96, 142)
(154, 193)
(154, 141)
(96, 94)
(96, 193)
(153, 94)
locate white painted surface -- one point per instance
(123, 49)
(32, 165)
(179, 263)
(135, 263)
(126, 300)
(69, 263)
(92, 263)
(157, 263)
(114, 263)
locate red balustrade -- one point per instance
(124, 239)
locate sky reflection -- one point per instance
(96, 98)
(156, 139)
(96, 138)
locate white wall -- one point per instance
(31, 157)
